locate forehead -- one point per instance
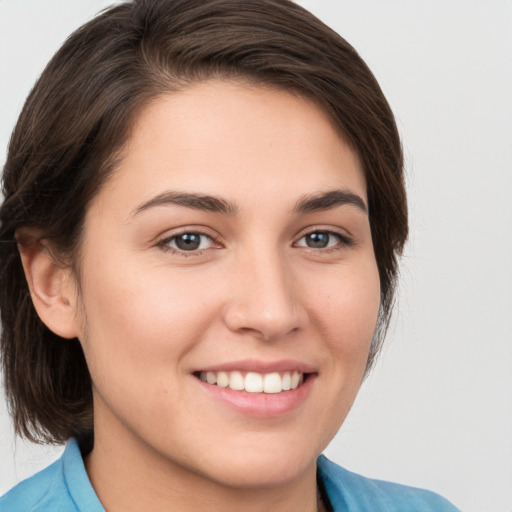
(234, 140)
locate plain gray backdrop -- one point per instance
(437, 410)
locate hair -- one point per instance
(79, 115)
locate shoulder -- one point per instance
(43, 491)
(61, 487)
(350, 491)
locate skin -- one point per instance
(149, 315)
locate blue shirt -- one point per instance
(65, 487)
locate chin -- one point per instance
(257, 475)
(261, 468)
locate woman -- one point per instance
(204, 203)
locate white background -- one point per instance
(437, 411)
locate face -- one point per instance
(229, 289)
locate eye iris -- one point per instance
(317, 240)
(188, 241)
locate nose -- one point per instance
(264, 299)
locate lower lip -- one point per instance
(262, 405)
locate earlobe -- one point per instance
(52, 288)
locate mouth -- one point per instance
(253, 382)
(259, 389)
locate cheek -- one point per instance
(138, 331)
(140, 320)
(348, 313)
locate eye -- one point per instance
(323, 240)
(187, 242)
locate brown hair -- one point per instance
(79, 114)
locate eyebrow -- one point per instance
(213, 204)
(328, 200)
(205, 203)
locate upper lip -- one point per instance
(252, 365)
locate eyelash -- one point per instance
(343, 242)
(164, 243)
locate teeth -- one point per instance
(287, 382)
(272, 383)
(254, 382)
(236, 381)
(295, 380)
(222, 379)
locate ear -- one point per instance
(52, 286)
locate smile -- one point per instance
(253, 382)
